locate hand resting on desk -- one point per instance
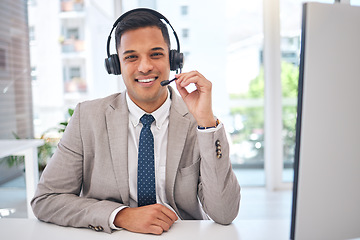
(153, 219)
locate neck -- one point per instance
(152, 106)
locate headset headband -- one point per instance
(153, 12)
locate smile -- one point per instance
(146, 80)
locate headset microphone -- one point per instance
(167, 82)
(176, 58)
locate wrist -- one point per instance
(119, 219)
(113, 216)
(211, 124)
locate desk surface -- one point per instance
(10, 147)
(32, 229)
(28, 149)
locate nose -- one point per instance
(145, 65)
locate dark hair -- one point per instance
(140, 19)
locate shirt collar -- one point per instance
(160, 114)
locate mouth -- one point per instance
(146, 80)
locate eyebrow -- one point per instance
(128, 52)
(153, 49)
(157, 49)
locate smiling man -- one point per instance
(142, 159)
(144, 60)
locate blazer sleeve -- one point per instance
(58, 196)
(218, 190)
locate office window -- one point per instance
(245, 90)
(290, 23)
(226, 47)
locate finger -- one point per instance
(165, 226)
(163, 218)
(188, 74)
(186, 78)
(183, 92)
(169, 213)
(164, 221)
(165, 214)
(155, 229)
(195, 77)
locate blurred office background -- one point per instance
(52, 57)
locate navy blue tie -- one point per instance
(146, 167)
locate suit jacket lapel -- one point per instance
(178, 128)
(117, 122)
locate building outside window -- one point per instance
(72, 33)
(184, 10)
(185, 33)
(33, 74)
(31, 33)
(73, 80)
(72, 5)
(147, 3)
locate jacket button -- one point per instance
(218, 149)
(98, 228)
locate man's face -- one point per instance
(144, 62)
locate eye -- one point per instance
(157, 55)
(130, 58)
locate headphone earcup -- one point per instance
(176, 60)
(112, 64)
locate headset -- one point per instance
(112, 63)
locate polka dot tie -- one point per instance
(146, 166)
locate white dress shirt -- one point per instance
(159, 129)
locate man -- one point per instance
(93, 178)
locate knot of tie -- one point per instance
(146, 120)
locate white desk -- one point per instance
(28, 149)
(32, 229)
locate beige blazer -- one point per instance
(87, 177)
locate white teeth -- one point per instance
(146, 80)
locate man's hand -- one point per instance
(153, 219)
(198, 101)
